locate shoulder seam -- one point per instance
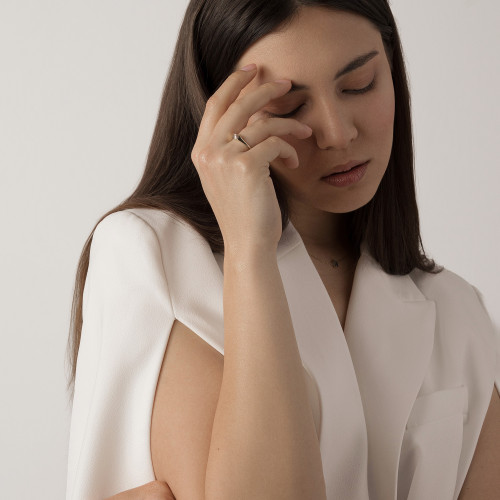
(161, 255)
(171, 217)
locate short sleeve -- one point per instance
(127, 318)
(496, 332)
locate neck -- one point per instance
(325, 234)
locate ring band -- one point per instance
(239, 138)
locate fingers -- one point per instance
(265, 132)
(239, 112)
(226, 113)
(262, 128)
(268, 150)
(220, 101)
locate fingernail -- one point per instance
(249, 67)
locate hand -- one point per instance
(235, 179)
(155, 490)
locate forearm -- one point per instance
(264, 443)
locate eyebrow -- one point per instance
(351, 66)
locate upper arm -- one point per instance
(183, 412)
(126, 315)
(483, 477)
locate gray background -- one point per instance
(80, 87)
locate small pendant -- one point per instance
(334, 263)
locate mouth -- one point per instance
(344, 168)
(347, 177)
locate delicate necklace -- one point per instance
(333, 262)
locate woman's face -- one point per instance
(346, 125)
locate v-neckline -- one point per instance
(290, 239)
(341, 299)
(327, 292)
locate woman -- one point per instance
(258, 324)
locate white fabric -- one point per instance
(399, 400)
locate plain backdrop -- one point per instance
(80, 87)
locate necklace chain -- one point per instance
(333, 262)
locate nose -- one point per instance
(333, 126)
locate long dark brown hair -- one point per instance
(213, 37)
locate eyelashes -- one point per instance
(364, 90)
(288, 115)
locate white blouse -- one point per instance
(398, 399)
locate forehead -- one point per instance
(318, 39)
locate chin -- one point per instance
(350, 200)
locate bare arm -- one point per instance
(264, 444)
(240, 426)
(483, 476)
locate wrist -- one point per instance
(243, 257)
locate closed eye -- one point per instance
(363, 90)
(347, 91)
(288, 115)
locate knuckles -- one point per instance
(274, 140)
(194, 156)
(203, 158)
(263, 121)
(212, 102)
(241, 163)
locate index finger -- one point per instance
(223, 97)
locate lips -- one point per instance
(345, 167)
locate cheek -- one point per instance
(380, 115)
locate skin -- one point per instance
(345, 126)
